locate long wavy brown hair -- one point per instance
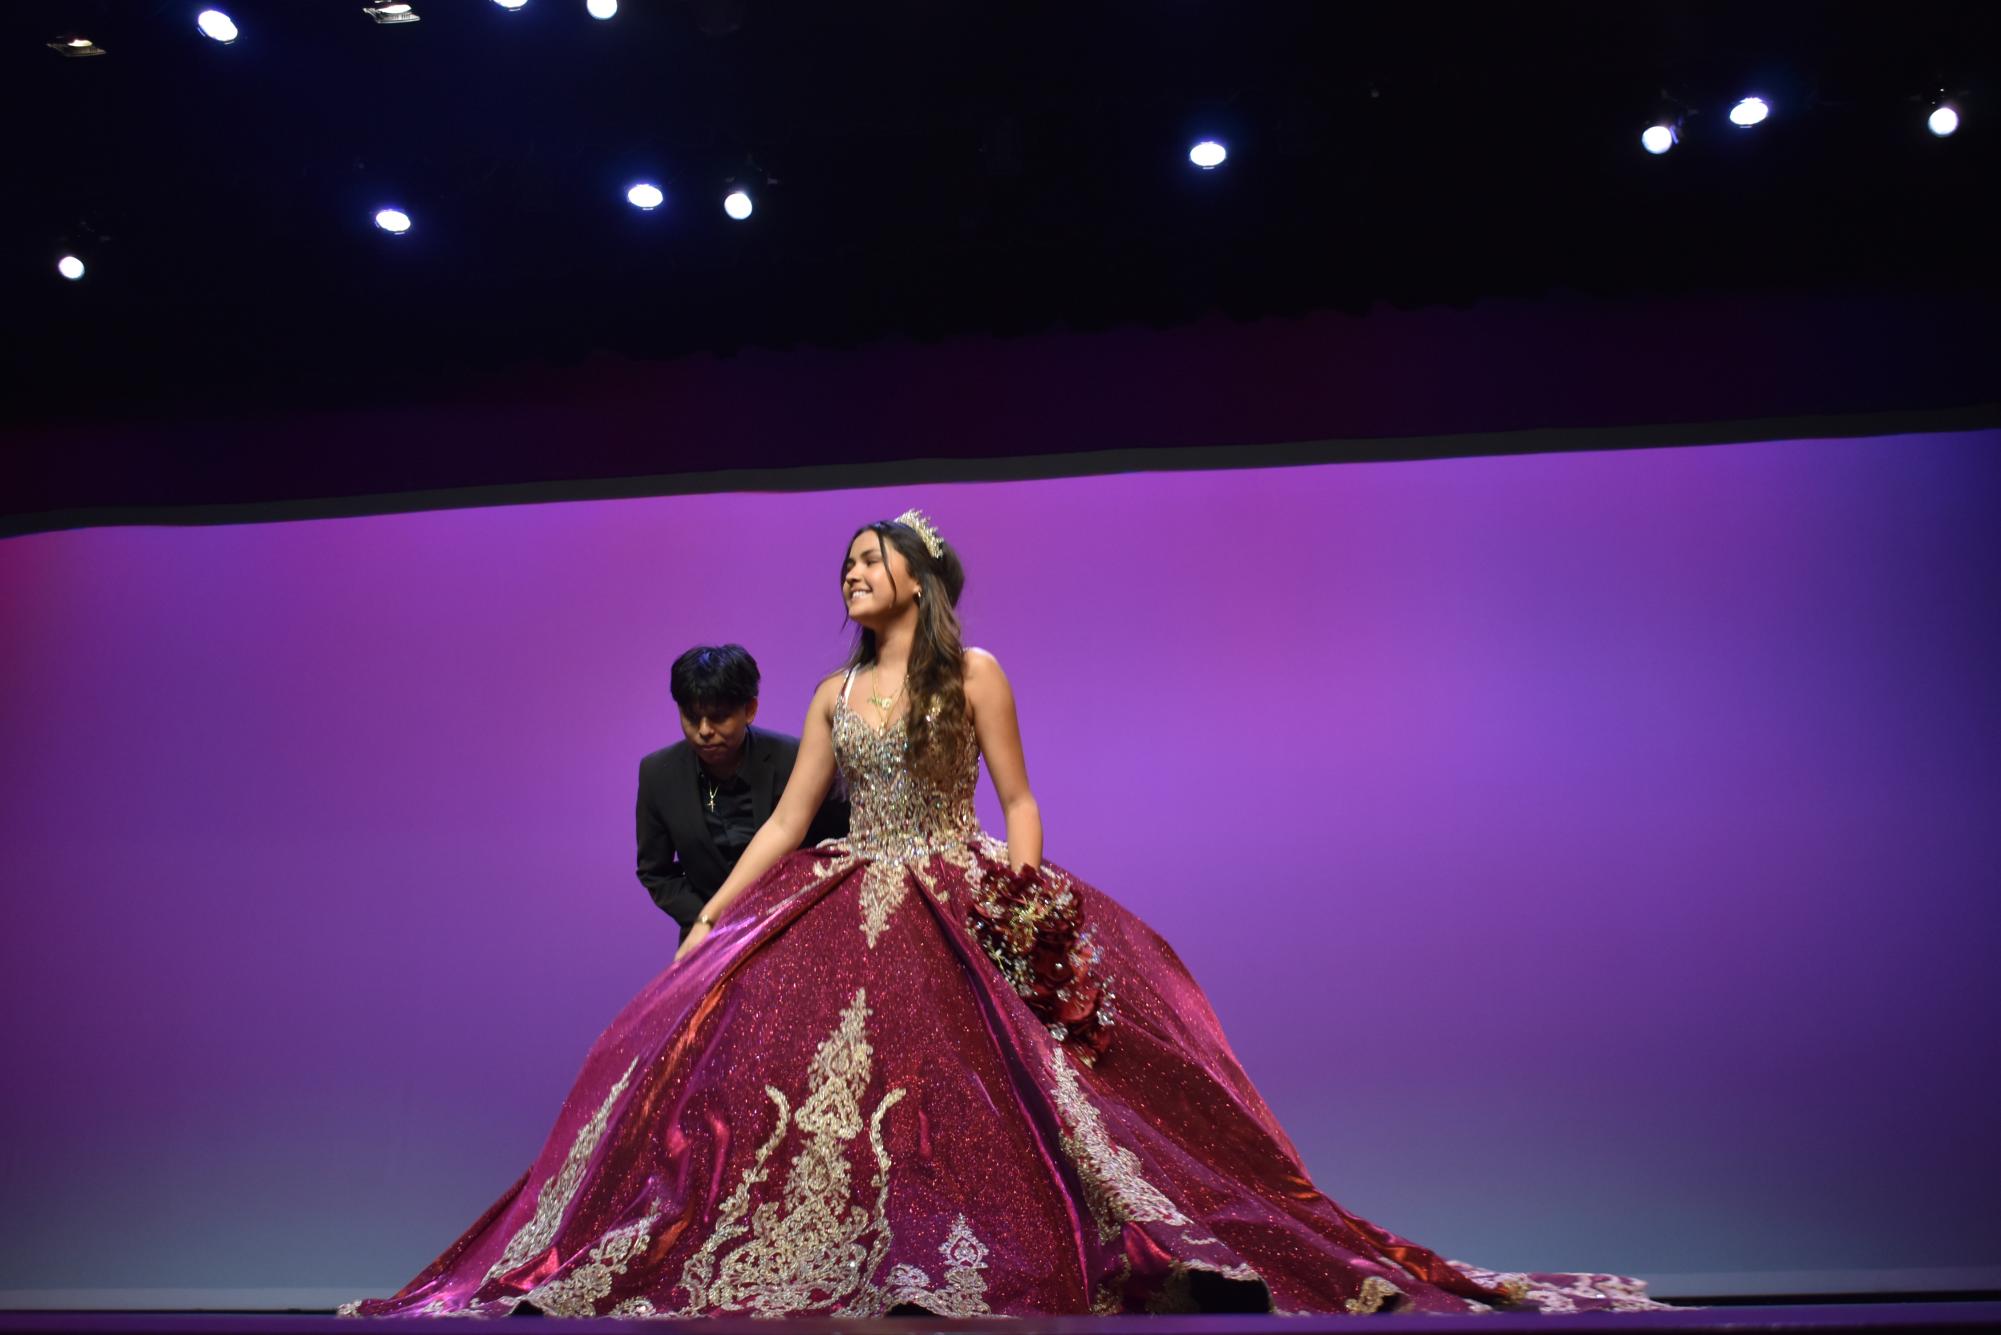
(939, 722)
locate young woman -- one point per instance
(889, 1073)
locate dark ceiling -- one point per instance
(932, 168)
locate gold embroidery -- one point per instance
(557, 1192)
(928, 880)
(811, 1249)
(963, 1292)
(1114, 1186)
(701, 1267)
(1616, 1292)
(893, 814)
(842, 864)
(1110, 1297)
(1177, 1291)
(577, 1293)
(883, 889)
(441, 1306)
(960, 854)
(1375, 1292)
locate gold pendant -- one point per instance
(882, 703)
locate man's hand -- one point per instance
(696, 935)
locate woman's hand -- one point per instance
(696, 935)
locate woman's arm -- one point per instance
(999, 732)
(812, 776)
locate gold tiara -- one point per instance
(914, 519)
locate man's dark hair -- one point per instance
(714, 677)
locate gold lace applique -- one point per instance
(844, 861)
(892, 813)
(812, 1249)
(929, 881)
(440, 1307)
(578, 1293)
(1115, 1188)
(1176, 1293)
(556, 1194)
(1375, 1292)
(1110, 1299)
(883, 889)
(961, 855)
(1617, 1292)
(962, 1293)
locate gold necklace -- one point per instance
(884, 703)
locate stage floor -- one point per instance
(1738, 1316)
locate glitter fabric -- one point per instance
(894, 1079)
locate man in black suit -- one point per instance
(701, 799)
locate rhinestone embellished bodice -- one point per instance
(893, 814)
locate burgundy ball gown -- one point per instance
(897, 1077)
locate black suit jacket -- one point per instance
(679, 863)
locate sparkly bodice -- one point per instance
(892, 813)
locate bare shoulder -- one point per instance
(984, 678)
(827, 692)
(982, 666)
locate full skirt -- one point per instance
(841, 1104)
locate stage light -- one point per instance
(645, 195)
(392, 13)
(393, 221)
(737, 204)
(1943, 120)
(1208, 154)
(72, 45)
(510, 5)
(216, 25)
(70, 267)
(1658, 139)
(601, 9)
(1750, 111)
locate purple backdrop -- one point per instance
(1593, 855)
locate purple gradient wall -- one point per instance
(1593, 855)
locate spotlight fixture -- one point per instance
(71, 44)
(393, 13)
(70, 267)
(393, 221)
(216, 26)
(601, 9)
(1944, 119)
(737, 204)
(1208, 154)
(645, 196)
(1749, 111)
(1665, 120)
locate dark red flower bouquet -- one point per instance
(1031, 925)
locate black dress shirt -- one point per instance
(727, 808)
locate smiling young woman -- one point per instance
(920, 1069)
